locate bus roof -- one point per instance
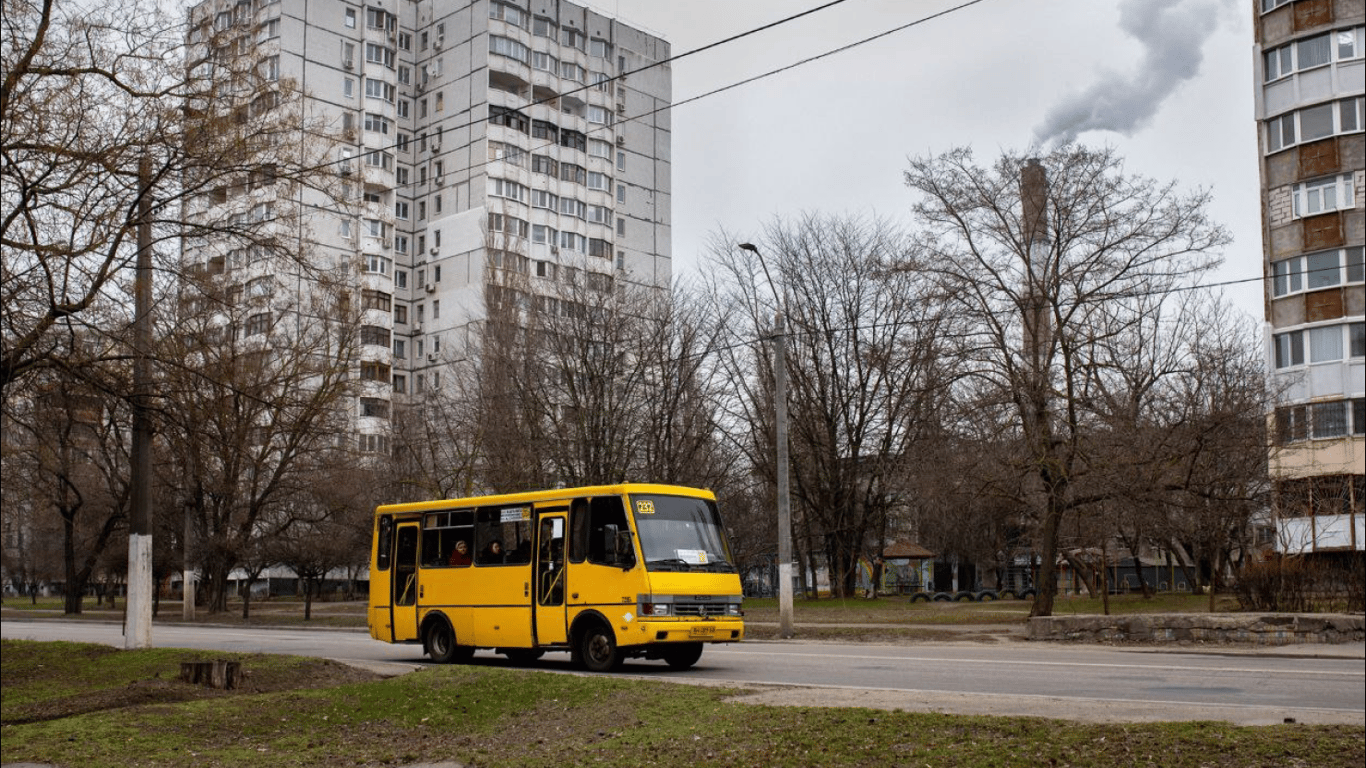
(530, 497)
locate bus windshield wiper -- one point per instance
(670, 561)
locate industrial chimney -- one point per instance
(1035, 304)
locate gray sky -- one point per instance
(1169, 83)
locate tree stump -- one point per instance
(220, 673)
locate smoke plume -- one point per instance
(1172, 33)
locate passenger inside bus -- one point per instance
(493, 553)
(460, 555)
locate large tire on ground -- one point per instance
(682, 655)
(598, 649)
(942, 597)
(964, 597)
(1027, 594)
(441, 645)
(523, 656)
(920, 596)
(986, 596)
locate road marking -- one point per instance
(1025, 662)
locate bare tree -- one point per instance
(863, 365)
(259, 407)
(1047, 276)
(89, 92)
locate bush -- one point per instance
(1301, 585)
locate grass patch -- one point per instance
(298, 712)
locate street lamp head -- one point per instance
(748, 247)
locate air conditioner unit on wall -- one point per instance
(621, 141)
(417, 327)
(431, 357)
(431, 287)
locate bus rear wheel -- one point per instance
(683, 655)
(441, 645)
(598, 649)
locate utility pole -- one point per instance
(785, 628)
(138, 622)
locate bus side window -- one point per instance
(578, 530)
(607, 514)
(384, 543)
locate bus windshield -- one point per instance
(680, 534)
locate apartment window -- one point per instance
(621, 193)
(1289, 348)
(541, 198)
(572, 38)
(573, 241)
(380, 54)
(571, 71)
(374, 334)
(1325, 344)
(621, 161)
(270, 68)
(378, 89)
(436, 238)
(510, 48)
(405, 41)
(374, 407)
(400, 384)
(541, 129)
(400, 349)
(600, 48)
(349, 88)
(1324, 269)
(1334, 193)
(571, 207)
(258, 324)
(508, 13)
(436, 313)
(1329, 419)
(376, 264)
(508, 118)
(373, 299)
(541, 233)
(599, 181)
(599, 214)
(344, 229)
(377, 123)
(599, 248)
(1331, 118)
(508, 189)
(404, 108)
(268, 30)
(401, 275)
(350, 19)
(544, 62)
(621, 227)
(599, 115)
(506, 152)
(544, 164)
(371, 370)
(600, 148)
(1312, 52)
(400, 318)
(575, 173)
(1292, 424)
(543, 27)
(401, 210)
(421, 212)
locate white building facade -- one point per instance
(470, 139)
(1311, 75)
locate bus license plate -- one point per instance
(701, 631)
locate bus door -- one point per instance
(404, 583)
(551, 626)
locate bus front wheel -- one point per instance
(598, 649)
(441, 645)
(683, 656)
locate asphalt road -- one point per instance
(1309, 684)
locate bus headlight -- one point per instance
(733, 609)
(656, 609)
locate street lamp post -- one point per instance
(780, 418)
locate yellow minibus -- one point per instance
(604, 573)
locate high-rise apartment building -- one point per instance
(1310, 80)
(471, 140)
